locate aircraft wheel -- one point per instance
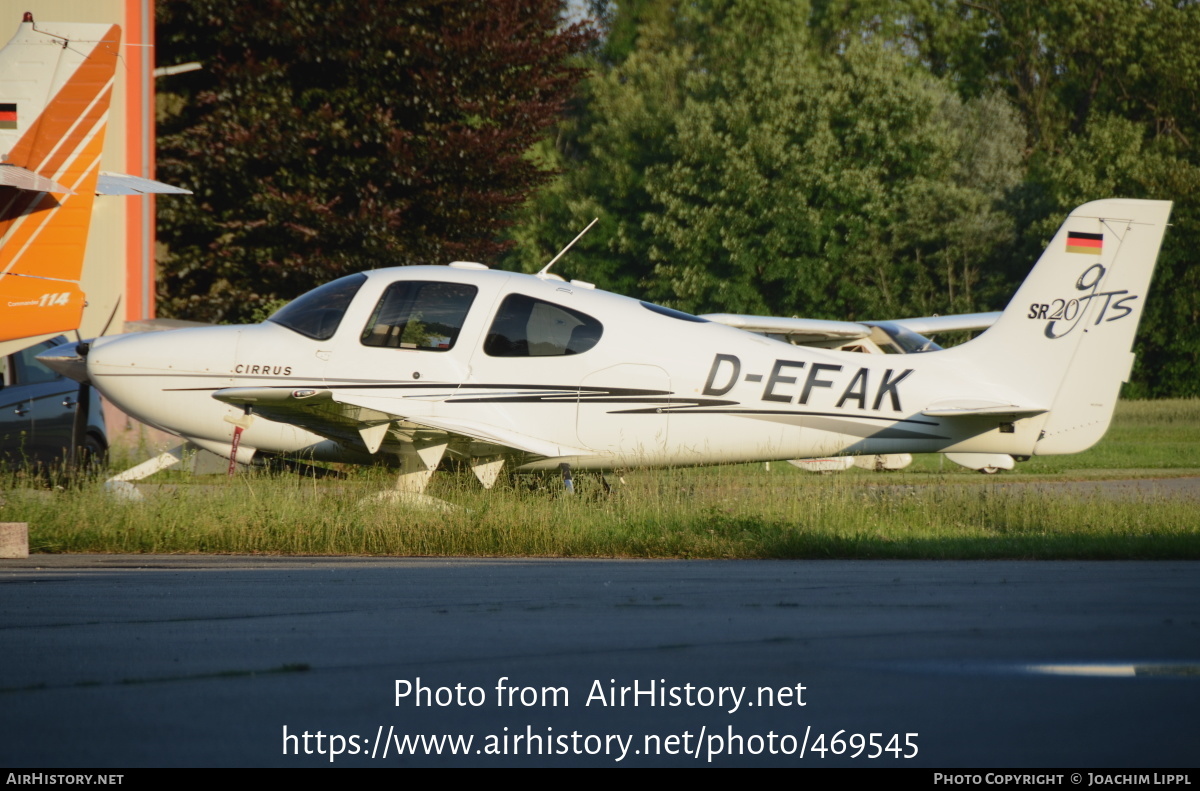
(989, 470)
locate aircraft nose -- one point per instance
(168, 353)
(161, 378)
(68, 359)
(113, 364)
(112, 355)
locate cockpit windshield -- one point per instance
(318, 313)
(905, 340)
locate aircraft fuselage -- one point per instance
(546, 372)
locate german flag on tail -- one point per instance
(1087, 243)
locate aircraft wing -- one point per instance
(799, 330)
(804, 331)
(345, 418)
(929, 325)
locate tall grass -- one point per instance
(728, 512)
(733, 511)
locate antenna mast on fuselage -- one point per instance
(545, 271)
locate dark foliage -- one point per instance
(327, 137)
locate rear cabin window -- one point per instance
(416, 314)
(528, 327)
(318, 313)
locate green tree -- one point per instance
(856, 187)
(327, 137)
(1061, 103)
(737, 167)
(1057, 62)
(660, 53)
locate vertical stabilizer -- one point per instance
(1065, 341)
(56, 82)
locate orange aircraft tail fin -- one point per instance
(56, 81)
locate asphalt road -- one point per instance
(113, 661)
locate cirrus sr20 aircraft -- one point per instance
(496, 369)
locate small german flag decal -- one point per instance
(8, 115)
(1087, 243)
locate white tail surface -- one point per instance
(1065, 340)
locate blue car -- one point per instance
(37, 412)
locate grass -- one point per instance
(930, 510)
(1146, 438)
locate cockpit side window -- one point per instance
(318, 313)
(528, 327)
(417, 314)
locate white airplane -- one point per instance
(495, 369)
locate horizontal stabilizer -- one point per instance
(121, 184)
(969, 407)
(22, 179)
